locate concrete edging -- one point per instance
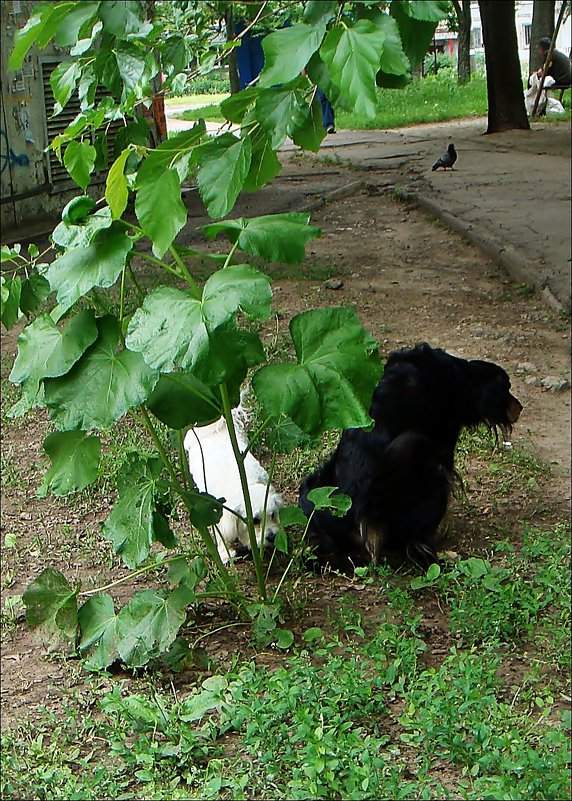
(518, 267)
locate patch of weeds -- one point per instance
(454, 714)
(12, 475)
(59, 758)
(524, 290)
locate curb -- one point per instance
(518, 267)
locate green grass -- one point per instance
(196, 100)
(430, 99)
(351, 713)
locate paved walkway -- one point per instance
(512, 189)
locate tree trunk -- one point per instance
(232, 63)
(542, 25)
(504, 84)
(463, 11)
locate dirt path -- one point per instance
(409, 280)
(512, 188)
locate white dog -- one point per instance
(214, 470)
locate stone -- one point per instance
(333, 283)
(526, 367)
(555, 383)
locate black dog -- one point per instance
(400, 474)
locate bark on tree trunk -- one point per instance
(463, 11)
(542, 25)
(504, 84)
(232, 63)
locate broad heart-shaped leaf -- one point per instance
(35, 290)
(393, 59)
(44, 350)
(180, 400)
(175, 153)
(52, 603)
(223, 166)
(235, 107)
(63, 81)
(332, 384)
(160, 210)
(318, 12)
(416, 34)
(307, 129)
(102, 386)
(116, 192)
(10, 305)
(330, 498)
(352, 56)
(175, 328)
(130, 525)
(148, 624)
(264, 163)
(80, 234)
(75, 461)
(277, 108)
(320, 76)
(287, 51)
(79, 161)
(78, 209)
(98, 626)
(274, 237)
(425, 10)
(82, 268)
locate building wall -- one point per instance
(26, 196)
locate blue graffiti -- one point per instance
(7, 155)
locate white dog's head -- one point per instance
(234, 531)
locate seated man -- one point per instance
(560, 67)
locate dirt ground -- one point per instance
(410, 280)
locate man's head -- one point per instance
(543, 45)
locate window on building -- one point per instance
(476, 37)
(527, 32)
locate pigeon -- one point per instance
(447, 159)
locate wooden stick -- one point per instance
(548, 57)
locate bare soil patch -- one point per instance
(410, 280)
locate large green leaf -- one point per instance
(175, 153)
(319, 12)
(82, 268)
(10, 304)
(175, 328)
(332, 383)
(160, 210)
(264, 163)
(74, 21)
(180, 400)
(235, 107)
(75, 461)
(307, 129)
(393, 59)
(425, 10)
(223, 166)
(26, 36)
(79, 161)
(130, 525)
(149, 624)
(63, 82)
(277, 109)
(416, 33)
(121, 17)
(352, 56)
(44, 350)
(35, 290)
(274, 237)
(116, 191)
(81, 233)
(102, 386)
(98, 626)
(287, 51)
(52, 603)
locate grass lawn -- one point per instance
(427, 100)
(196, 100)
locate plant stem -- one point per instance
(136, 283)
(158, 262)
(122, 295)
(245, 491)
(139, 572)
(195, 288)
(230, 254)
